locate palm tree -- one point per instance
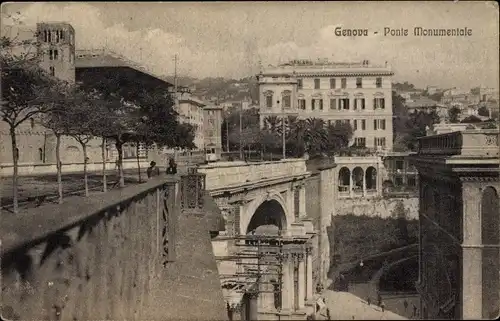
(295, 136)
(338, 136)
(315, 137)
(272, 123)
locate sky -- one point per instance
(232, 39)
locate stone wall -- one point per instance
(380, 207)
(320, 208)
(226, 174)
(123, 254)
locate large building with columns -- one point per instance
(459, 224)
(357, 93)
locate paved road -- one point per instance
(347, 306)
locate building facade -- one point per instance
(212, 124)
(190, 111)
(459, 225)
(358, 93)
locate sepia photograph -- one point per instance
(249, 160)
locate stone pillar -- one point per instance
(302, 202)
(302, 282)
(309, 274)
(471, 253)
(253, 305)
(286, 284)
(364, 183)
(350, 185)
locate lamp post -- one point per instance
(283, 128)
(241, 147)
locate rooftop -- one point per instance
(325, 67)
(95, 58)
(422, 102)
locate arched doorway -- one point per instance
(490, 237)
(268, 213)
(371, 178)
(344, 179)
(357, 178)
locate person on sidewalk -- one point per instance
(172, 167)
(152, 170)
(368, 300)
(382, 306)
(414, 311)
(405, 303)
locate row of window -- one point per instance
(377, 141)
(53, 35)
(343, 83)
(360, 124)
(335, 104)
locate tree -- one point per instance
(338, 136)
(453, 114)
(27, 91)
(272, 123)
(483, 111)
(75, 116)
(399, 212)
(135, 109)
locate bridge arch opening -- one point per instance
(344, 179)
(490, 237)
(268, 213)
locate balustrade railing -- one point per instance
(192, 192)
(482, 142)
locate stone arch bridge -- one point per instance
(252, 196)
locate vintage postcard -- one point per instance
(249, 160)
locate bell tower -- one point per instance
(57, 49)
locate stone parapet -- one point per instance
(227, 174)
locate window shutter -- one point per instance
(374, 103)
(375, 124)
(362, 103)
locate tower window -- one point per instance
(49, 36)
(52, 71)
(45, 36)
(56, 54)
(40, 154)
(61, 34)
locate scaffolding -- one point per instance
(257, 256)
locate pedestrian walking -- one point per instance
(369, 300)
(382, 306)
(328, 317)
(153, 170)
(414, 311)
(405, 303)
(379, 299)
